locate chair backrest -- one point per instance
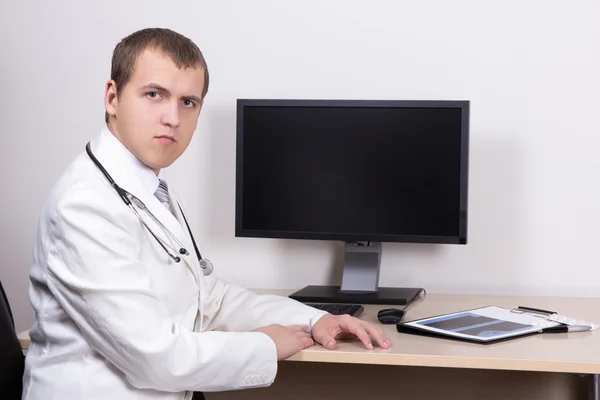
(11, 357)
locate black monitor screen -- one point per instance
(350, 171)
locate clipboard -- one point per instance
(490, 324)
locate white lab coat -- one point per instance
(117, 318)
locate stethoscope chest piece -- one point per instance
(207, 267)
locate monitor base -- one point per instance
(332, 294)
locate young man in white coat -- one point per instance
(116, 316)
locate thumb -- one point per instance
(323, 337)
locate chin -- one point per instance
(156, 165)
(164, 163)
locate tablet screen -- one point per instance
(474, 325)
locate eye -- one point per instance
(188, 103)
(152, 95)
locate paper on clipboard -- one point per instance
(486, 324)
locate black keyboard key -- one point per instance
(338, 309)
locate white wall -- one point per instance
(530, 69)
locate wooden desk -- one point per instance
(570, 352)
(550, 366)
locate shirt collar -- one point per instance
(144, 173)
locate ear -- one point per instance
(111, 102)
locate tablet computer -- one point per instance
(484, 325)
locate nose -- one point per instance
(170, 115)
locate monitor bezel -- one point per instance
(461, 238)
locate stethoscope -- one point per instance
(205, 264)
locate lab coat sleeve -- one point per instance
(234, 308)
(95, 275)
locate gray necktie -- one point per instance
(162, 193)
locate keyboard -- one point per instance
(338, 309)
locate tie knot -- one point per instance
(162, 192)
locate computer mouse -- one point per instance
(390, 315)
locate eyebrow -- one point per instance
(159, 88)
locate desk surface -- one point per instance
(576, 352)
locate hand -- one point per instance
(288, 340)
(330, 327)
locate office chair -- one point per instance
(12, 361)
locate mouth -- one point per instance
(166, 138)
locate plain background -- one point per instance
(529, 68)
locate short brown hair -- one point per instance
(182, 51)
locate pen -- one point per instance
(535, 310)
(566, 328)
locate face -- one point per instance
(157, 111)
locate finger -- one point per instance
(355, 327)
(325, 339)
(303, 334)
(377, 334)
(307, 342)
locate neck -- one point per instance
(113, 129)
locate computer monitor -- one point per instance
(358, 171)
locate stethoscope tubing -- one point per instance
(205, 264)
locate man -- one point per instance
(118, 314)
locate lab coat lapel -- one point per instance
(193, 261)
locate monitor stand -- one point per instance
(360, 281)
